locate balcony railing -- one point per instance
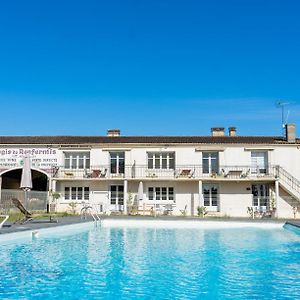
(180, 172)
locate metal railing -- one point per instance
(292, 182)
(179, 172)
(33, 200)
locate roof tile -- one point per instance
(78, 140)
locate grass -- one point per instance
(13, 217)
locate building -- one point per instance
(226, 174)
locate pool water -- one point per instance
(154, 263)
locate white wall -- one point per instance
(235, 198)
(285, 205)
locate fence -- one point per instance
(32, 200)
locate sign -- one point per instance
(41, 158)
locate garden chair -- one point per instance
(183, 211)
(28, 216)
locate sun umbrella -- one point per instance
(141, 191)
(26, 179)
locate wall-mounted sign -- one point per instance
(41, 158)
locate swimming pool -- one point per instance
(209, 260)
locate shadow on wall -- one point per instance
(11, 180)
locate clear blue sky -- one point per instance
(148, 67)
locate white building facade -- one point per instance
(223, 175)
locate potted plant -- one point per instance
(273, 205)
(201, 210)
(130, 204)
(250, 211)
(72, 207)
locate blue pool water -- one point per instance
(154, 263)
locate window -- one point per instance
(75, 193)
(117, 194)
(210, 162)
(171, 194)
(161, 160)
(157, 193)
(151, 193)
(210, 195)
(117, 162)
(161, 193)
(77, 160)
(259, 162)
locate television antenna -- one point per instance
(282, 105)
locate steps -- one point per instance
(288, 182)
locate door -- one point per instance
(117, 163)
(259, 162)
(117, 198)
(210, 162)
(261, 193)
(211, 197)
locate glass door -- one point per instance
(211, 197)
(261, 196)
(210, 162)
(259, 162)
(117, 198)
(117, 163)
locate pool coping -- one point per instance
(63, 221)
(293, 223)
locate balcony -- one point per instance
(181, 172)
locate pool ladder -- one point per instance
(92, 210)
(5, 217)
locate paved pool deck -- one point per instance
(10, 227)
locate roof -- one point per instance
(78, 140)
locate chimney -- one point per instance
(232, 131)
(113, 132)
(218, 131)
(290, 131)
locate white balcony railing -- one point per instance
(180, 172)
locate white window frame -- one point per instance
(85, 193)
(118, 159)
(152, 156)
(263, 196)
(210, 186)
(76, 156)
(210, 159)
(259, 164)
(118, 192)
(160, 188)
